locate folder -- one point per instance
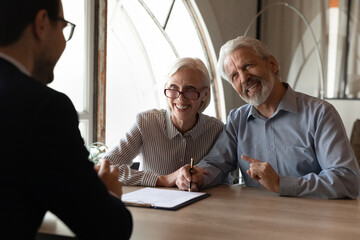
(161, 198)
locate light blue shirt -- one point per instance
(304, 141)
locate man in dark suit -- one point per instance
(44, 164)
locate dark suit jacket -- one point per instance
(44, 165)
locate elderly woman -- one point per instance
(167, 139)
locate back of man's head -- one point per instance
(16, 15)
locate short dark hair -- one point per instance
(16, 15)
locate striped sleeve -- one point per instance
(133, 177)
(123, 154)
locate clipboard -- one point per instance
(161, 198)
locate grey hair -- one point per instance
(194, 64)
(242, 41)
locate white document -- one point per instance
(161, 198)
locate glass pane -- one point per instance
(155, 46)
(83, 127)
(137, 59)
(332, 52)
(131, 83)
(184, 36)
(69, 71)
(160, 9)
(134, 76)
(352, 88)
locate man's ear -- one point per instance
(41, 24)
(274, 64)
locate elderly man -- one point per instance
(282, 140)
(44, 164)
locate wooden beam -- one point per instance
(100, 66)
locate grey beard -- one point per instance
(259, 97)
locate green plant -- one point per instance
(96, 150)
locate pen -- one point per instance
(191, 169)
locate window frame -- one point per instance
(99, 81)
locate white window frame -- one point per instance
(86, 117)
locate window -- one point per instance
(344, 28)
(73, 75)
(144, 36)
(332, 52)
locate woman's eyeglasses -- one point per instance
(189, 95)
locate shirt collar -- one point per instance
(170, 127)
(15, 63)
(287, 103)
(195, 132)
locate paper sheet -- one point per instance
(162, 198)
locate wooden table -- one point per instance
(236, 212)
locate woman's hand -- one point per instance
(167, 180)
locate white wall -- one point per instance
(349, 111)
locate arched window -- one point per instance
(143, 38)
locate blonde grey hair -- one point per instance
(194, 64)
(242, 41)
